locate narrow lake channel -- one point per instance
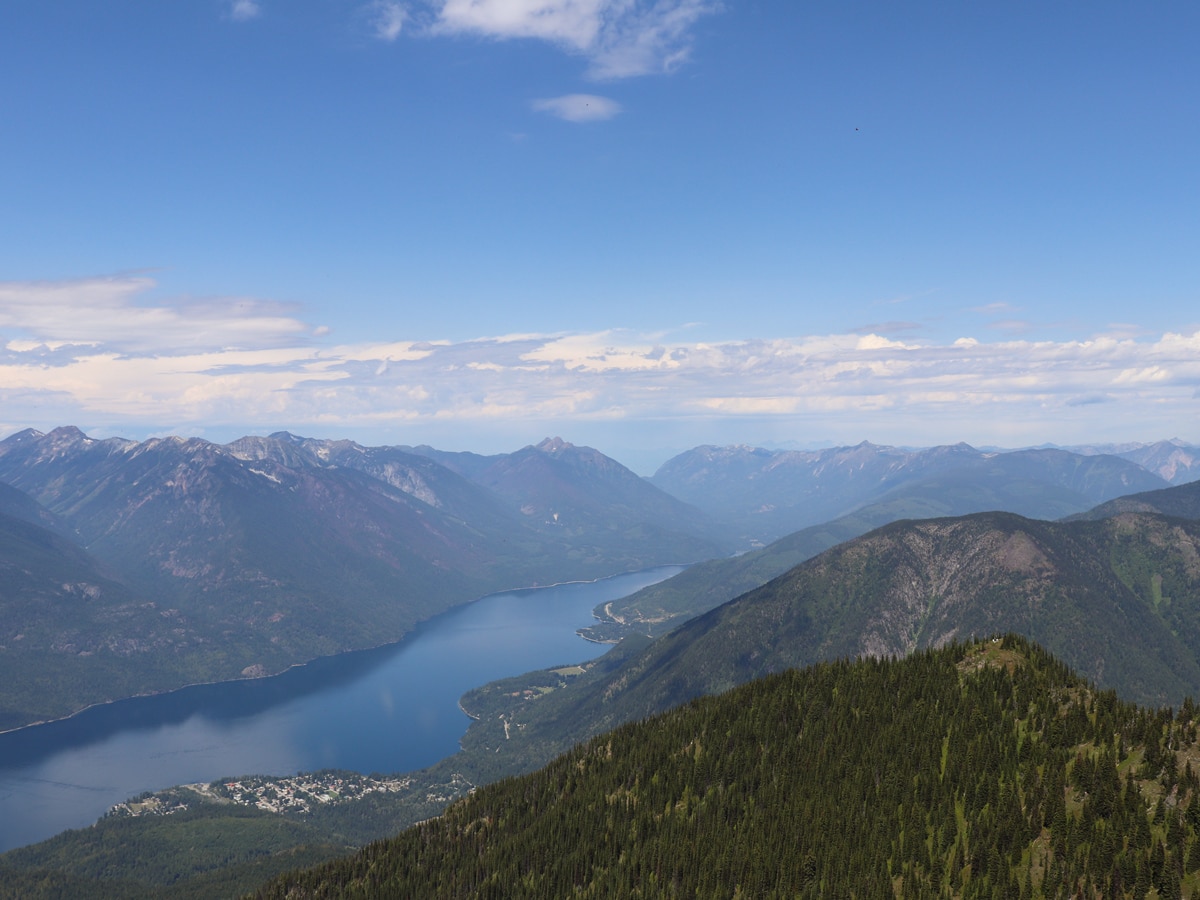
(392, 709)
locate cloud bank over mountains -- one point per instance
(97, 353)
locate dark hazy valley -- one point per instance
(727, 717)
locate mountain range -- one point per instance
(921, 560)
(184, 560)
(767, 494)
(1037, 484)
(1173, 460)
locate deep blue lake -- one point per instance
(393, 709)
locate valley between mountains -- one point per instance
(128, 568)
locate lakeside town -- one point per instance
(292, 794)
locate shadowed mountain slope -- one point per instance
(68, 624)
(1182, 502)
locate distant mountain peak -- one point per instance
(29, 434)
(554, 445)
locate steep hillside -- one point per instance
(767, 494)
(977, 771)
(469, 465)
(19, 505)
(1092, 592)
(770, 493)
(69, 627)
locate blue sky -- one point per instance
(640, 225)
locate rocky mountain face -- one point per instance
(768, 494)
(1173, 460)
(271, 551)
(574, 495)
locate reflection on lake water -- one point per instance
(393, 709)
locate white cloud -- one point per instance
(244, 10)
(649, 37)
(620, 38)
(100, 352)
(579, 107)
(574, 23)
(106, 312)
(388, 19)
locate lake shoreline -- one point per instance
(100, 704)
(394, 707)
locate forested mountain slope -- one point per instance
(971, 771)
(68, 623)
(1118, 599)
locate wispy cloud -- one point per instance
(97, 350)
(244, 10)
(619, 38)
(1012, 327)
(579, 107)
(108, 313)
(387, 19)
(1089, 400)
(995, 309)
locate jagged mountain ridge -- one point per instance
(1175, 461)
(558, 488)
(768, 494)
